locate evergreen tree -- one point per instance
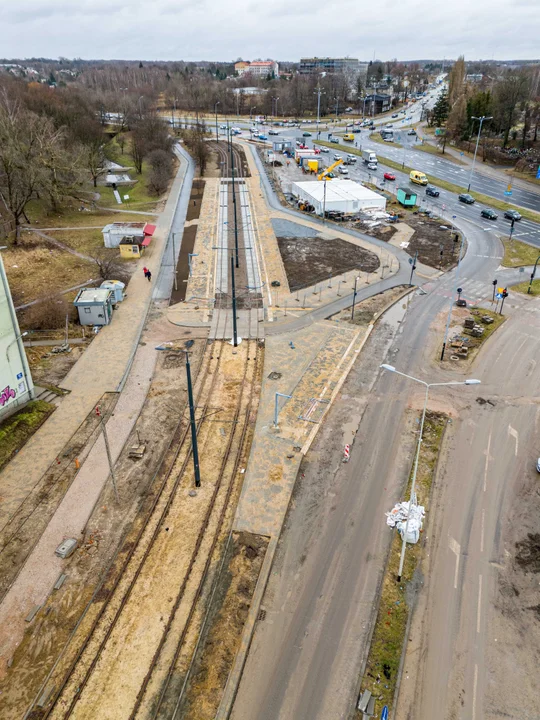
(440, 111)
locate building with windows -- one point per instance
(346, 66)
(16, 386)
(378, 103)
(258, 68)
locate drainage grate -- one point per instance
(261, 615)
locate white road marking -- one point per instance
(455, 547)
(482, 532)
(479, 609)
(475, 686)
(514, 433)
(488, 458)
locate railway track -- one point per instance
(95, 663)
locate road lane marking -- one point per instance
(479, 609)
(475, 686)
(514, 433)
(488, 458)
(456, 549)
(482, 532)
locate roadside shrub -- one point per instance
(48, 313)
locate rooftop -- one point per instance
(337, 190)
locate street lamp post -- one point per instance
(482, 118)
(532, 276)
(250, 109)
(391, 368)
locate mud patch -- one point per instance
(308, 261)
(220, 643)
(528, 553)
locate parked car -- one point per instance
(351, 158)
(466, 198)
(432, 191)
(306, 134)
(538, 465)
(390, 125)
(334, 140)
(512, 215)
(394, 115)
(389, 176)
(222, 127)
(273, 132)
(388, 138)
(412, 131)
(489, 214)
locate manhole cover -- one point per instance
(274, 376)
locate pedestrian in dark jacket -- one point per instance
(148, 275)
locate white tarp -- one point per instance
(346, 196)
(397, 517)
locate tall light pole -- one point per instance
(484, 117)
(391, 368)
(215, 111)
(274, 112)
(250, 109)
(318, 94)
(531, 280)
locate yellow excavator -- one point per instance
(325, 172)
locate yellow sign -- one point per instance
(500, 290)
(509, 187)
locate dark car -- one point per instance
(432, 191)
(466, 198)
(306, 134)
(512, 215)
(489, 214)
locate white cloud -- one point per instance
(217, 30)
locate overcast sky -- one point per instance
(278, 29)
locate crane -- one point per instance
(329, 169)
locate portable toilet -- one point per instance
(117, 289)
(406, 197)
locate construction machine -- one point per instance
(325, 172)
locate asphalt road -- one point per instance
(446, 205)
(492, 446)
(305, 663)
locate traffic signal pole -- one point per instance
(194, 445)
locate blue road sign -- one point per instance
(538, 173)
(507, 192)
(384, 714)
(498, 296)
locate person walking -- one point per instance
(145, 271)
(148, 275)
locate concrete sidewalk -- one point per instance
(102, 368)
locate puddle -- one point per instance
(395, 315)
(349, 430)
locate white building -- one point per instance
(261, 68)
(16, 386)
(346, 196)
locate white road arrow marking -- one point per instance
(514, 433)
(455, 547)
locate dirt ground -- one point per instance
(310, 260)
(430, 240)
(232, 603)
(51, 368)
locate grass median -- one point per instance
(518, 254)
(378, 138)
(451, 187)
(389, 634)
(17, 429)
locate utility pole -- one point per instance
(215, 110)
(108, 450)
(234, 209)
(504, 296)
(494, 283)
(194, 446)
(233, 285)
(532, 278)
(354, 297)
(482, 118)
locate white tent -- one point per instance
(345, 196)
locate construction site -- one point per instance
(170, 475)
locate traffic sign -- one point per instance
(498, 296)
(500, 290)
(384, 714)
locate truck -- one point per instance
(369, 156)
